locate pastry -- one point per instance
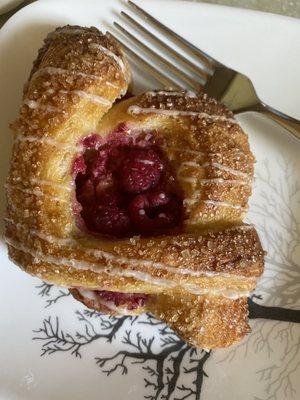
(136, 206)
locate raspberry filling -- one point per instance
(107, 300)
(130, 301)
(126, 187)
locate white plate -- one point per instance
(263, 366)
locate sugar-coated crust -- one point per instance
(77, 76)
(232, 259)
(203, 321)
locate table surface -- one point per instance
(285, 7)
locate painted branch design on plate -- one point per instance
(275, 210)
(46, 290)
(163, 363)
(163, 368)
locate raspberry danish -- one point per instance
(135, 206)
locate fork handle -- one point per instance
(289, 123)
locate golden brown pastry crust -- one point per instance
(230, 259)
(205, 321)
(77, 76)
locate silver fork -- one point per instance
(228, 86)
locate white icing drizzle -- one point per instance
(242, 228)
(130, 261)
(187, 93)
(216, 203)
(39, 256)
(142, 276)
(109, 53)
(36, 104)
(194, 152)
(115, 87)
(47, 238)
(209, 181)
(178, 113)
(47, 141)
(219, 166)
(89, 96)
(193, 164)
(44, 182)
(57, 70)
(222, 181)
(228, 169)
(201, 153)
(35, 191)
(227, 293)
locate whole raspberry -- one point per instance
(141, 170)
(111, 220)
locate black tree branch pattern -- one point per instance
(162, 367)
(275, 210)
(47, 288)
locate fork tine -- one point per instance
(195, 85)
(159, 76)
(205, 58)
(195, 68)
